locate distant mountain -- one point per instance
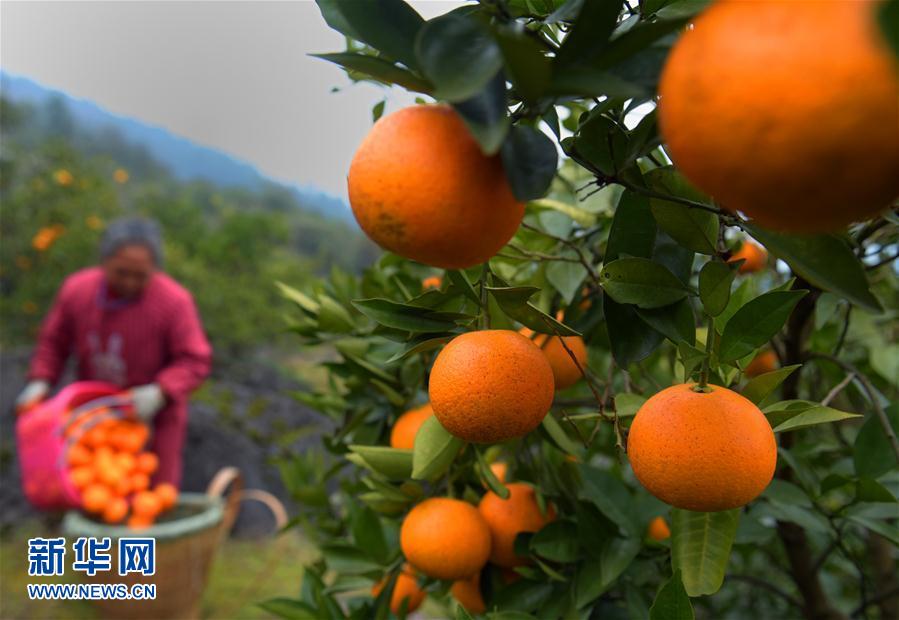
(186, 160)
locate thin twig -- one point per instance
(872, 396)
(756, 581)
(877, 598)
(837, 389)
(568, 243)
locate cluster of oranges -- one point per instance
(112, 471)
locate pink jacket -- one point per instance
(157, 338)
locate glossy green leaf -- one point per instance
(379, 69)
(464, 284)
(694, 228)
(756, 323)
(760, 387)
(790, 415)
(627, 404)
(409, 318)
(493, 483)
(391, 29)
(348, 560)
(641, 282)
(368, 534)
(419, 346)
(558, 435)
(672, 602)
(526, 65)
(332, 317)
(392, 463)
(598, 575)
(458, 55)
(485, 115)
(715, 281)
(700, 547)
(826, 261)
(631, 338)
(435, 449)
(566, 277)
(675, 321)
(514, 302)
(872, 454)
(603, 143)
(529, 159)
(557, 542)
(591, 32)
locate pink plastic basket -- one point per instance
(42, 444)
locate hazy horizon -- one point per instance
(233, 76)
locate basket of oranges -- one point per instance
(83, 449)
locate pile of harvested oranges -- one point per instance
(111, 469)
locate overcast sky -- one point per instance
(231, 75)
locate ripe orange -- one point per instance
(147, 462)
(702, 451)
(445, 538)
(123, 487)
(565, 371)
(500, 470)
(95, 497)
(405, 589)
(489, 386)
(110, 474)
(754, 114)
(139, 482)
(126, 461)
(139, 522)
(507, 518)
(146, 504)
(82, 476)
(658, 529)
(756, 257)
(468, 593)
(95, 437)
(167, 494)
(78, 455)
(406, 427)
(130, 437)
(420, 187)
(765, 361)
(432, 282)
(116, 510)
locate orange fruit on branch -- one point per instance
(765, 361)
(786, 111)
(507, 518)
(754, 256)
(702, 451)
(420, 187)
(405, 589)
(468, 593)
(658, 529)
(491, 385)
(445, 538)
(406, 427)
(565, 371)
(432, 282)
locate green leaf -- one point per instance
(462, 613)
(887, 18)
(590, 34)
(756, 323)
(487, 475)
(348, 560)
(760, 387)
(690, 358)
(868, 490)
(301, 299)
(715, 280)
(641, 282)
(872, 453)
(458, 54)
(559, 436)
(529, 159)
(379, 69)
(409, 318)
(334, 318)
(603, 143)
(826, 261)
(513, 301)
(566, 277)
(419, 346)
(557, 542)
(700, 547)
(627, 404)
(630, 337)
(597, 575)
(435, 449)
(694, 228)
(288, 608)
(368, 533)
(527, 67)
(581, 216)
(672, 602)
(789, 415)
(633, 230)
(462, 283)
(485, 115)
(391, 29)
(393, 463)
(676, 321)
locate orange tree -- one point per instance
(574, 387)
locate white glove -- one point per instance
(148, 400)
(33, 393)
